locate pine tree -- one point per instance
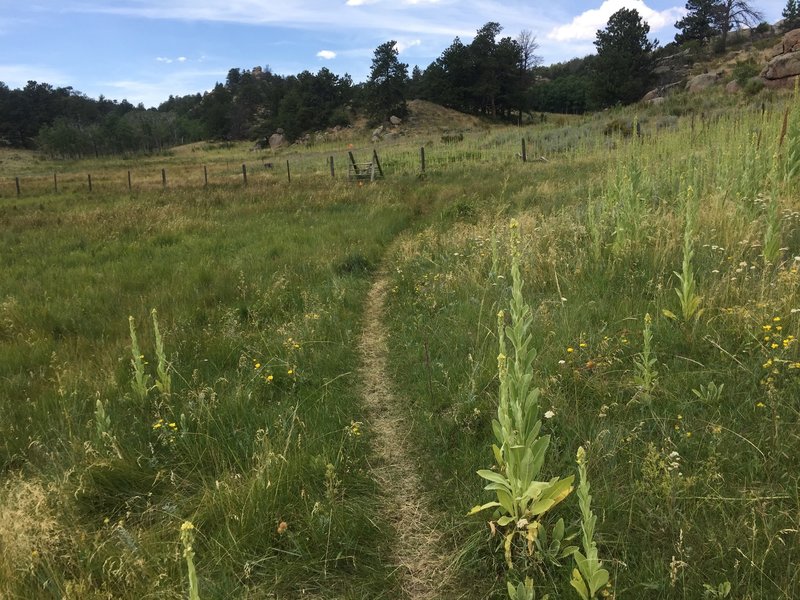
(791, 15)
(385, 90)
(699, 23)
(624, 63)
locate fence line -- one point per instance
(397, 163)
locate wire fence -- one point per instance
(268, 170)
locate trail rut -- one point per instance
(422, 570)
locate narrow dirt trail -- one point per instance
(417, 553)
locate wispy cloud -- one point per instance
(327, 54)
(152, 91)
(402, 46)
(18, 75)
(586, 25)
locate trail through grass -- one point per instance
(405, 507)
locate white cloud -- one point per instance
(327, 54)
(359, 2)
(154, 91)
(18, 75)
(169, 61)
(402, 46)
(586, 25)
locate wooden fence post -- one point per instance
(16, 181)
(288, 172)
(163, 178)
(205, 175)
(376, 162)
(422, 159)
(244, 173)
(333, 172)
(89, 178)
(353, 162)
(55, 182)
(524, 151)
(130, 188)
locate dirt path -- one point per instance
(417, 553)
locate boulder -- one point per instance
(780, 67)
(378, 132)
(787, 83)
(733, 87)
(791, 41)
(650, 95)
(277, 140)
(698, 83)
(658, 100)
(395, 120)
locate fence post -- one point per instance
(333, 173)
(130, 189)
(422, 159)
(244, 173)
(524, 151)
(288, 172)
(353, 162)
(205, 175)
(376, 161)
(89, 178)
(55, 182)
(16, 181)
(163, 178)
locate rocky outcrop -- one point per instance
(701, 82)
(672, 69)
(277, 140)
(784, 68)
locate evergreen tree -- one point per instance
(700, 23)
(734, 14)
(791, 15)
(385, 91)
(624, 63)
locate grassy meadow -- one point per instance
(662, 273)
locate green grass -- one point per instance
(728, 510)
(259, 292)
(238, 281)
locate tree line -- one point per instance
(494, 76)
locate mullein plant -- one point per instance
(187, 539)
(792, 165)
(522, 498)
(687, 294)
(141, 379)
(645, 374)
(589, 578)
(163, 380)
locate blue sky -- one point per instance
(145, 50)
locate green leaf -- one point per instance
(599, 579)
(559, 490)
(558, 530)
(476, 509)
(505, 520)
(506, 501)
(579, 585)
(542, 506)
(495, 478)
(669, 314)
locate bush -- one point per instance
(744, 71)
(753, 86)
